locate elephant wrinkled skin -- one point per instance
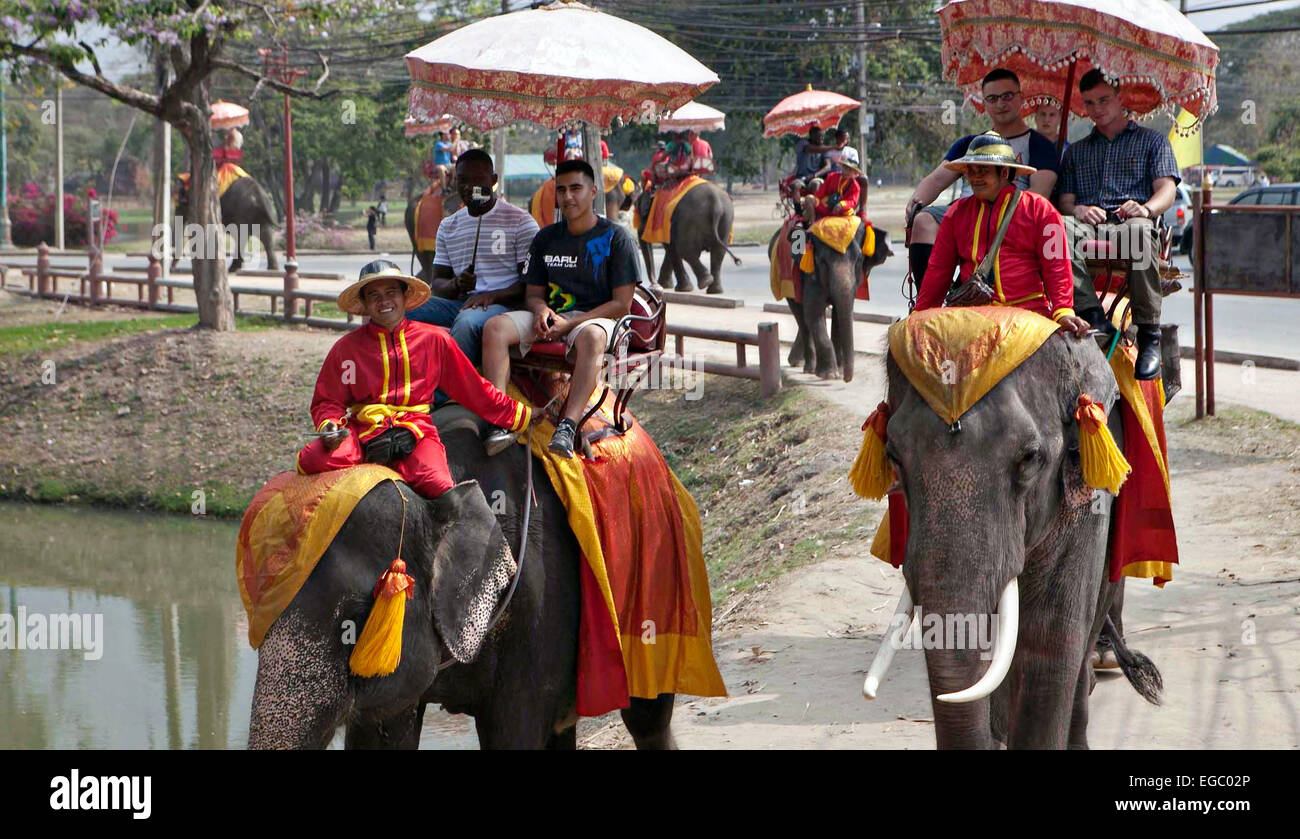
(520, 684)
(1003, 499)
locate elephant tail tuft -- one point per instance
(1140, 671)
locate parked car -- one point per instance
(1178, 218)
(1275, 195)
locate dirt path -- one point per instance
(1224, 633)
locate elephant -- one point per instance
(998, 513)
(246, 205)
(834, 282)
(450, 204)
(517, 679)
(701, 222)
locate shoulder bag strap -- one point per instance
(986, 264)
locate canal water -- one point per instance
(163, 659)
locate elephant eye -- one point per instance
(1030, 460)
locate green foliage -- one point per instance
(1281, 162)
(1255, 72)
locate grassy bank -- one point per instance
(133, 410)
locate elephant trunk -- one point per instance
(301, 693)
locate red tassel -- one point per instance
(395, 580)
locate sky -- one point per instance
(122, 60)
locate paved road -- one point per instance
(1257, 325)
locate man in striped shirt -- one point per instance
(478, 257)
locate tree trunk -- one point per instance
(324, 186)
(211, 286)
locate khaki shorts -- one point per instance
(523, 321)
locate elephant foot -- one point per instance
(795, 358)
(809, 367)
(829, 373)
(715, 287)
(685, 285)
(235, 265)
(666, 283)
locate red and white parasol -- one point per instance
(694, 116)
(1158, 56)
(552, 65)
(417, 128)
(796, 114)
(228, 115)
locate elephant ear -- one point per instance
(472, 566)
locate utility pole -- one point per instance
(860, 18)
(162, 187)
(58, 164)
(6, 241)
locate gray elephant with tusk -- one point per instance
(1004, 532)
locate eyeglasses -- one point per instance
(1001, 97)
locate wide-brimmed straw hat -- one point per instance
(417, 290)
(987, 150)
(849, 160)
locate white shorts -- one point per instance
(523, 321)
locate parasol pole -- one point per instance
(1065, 109)
(591, 153)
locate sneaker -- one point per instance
(562, 439)
(498, 440)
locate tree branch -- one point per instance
(274, 84)
(146, 102)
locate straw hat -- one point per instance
(987, 149)
(849, 160)
(417, 290)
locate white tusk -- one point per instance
(893, 640)
(1004, 648)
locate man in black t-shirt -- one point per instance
(579, 280)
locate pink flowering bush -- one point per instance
(31, 216)
(311, 231)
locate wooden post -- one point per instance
(96, 266)
(1200, 204)
(290, 286)
(151, 276)
(769, 358)
(43, 270)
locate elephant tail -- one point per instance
(1140, 671)
(718, 239)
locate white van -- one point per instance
(1235, 176)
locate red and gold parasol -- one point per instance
(552, 65)
(228, 115)
(417, 128)
(694, 116)
(796, 114)
(1159, 58)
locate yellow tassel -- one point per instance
(1103, 464)
(379, 649)
(869, 241)
(806, 260)
(871, 475)
(628, 185)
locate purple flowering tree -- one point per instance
(193, 36)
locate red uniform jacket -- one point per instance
(1032, 268)
(398, 372)
(850, 194)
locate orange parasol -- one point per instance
(796, 114)
(228, 115)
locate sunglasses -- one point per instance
(1001, 97)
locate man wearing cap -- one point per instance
(1002, 102)
(1032, 267)
(376, 385)
(478, 257)
(1117, 182)
(840, 193)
